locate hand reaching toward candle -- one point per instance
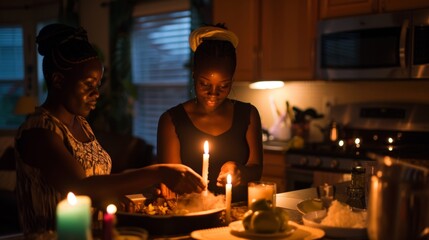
(232, 168)
(181, 179)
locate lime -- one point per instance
(283, 217)
(247, 219)
(261, 204)
(265, 222)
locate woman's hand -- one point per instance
(232, 168)
(165, 192)
(181, 179)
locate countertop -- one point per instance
(287, 200)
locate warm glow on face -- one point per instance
(111, 209)
(229, 179)
(71, 198)
(206, 147)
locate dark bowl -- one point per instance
(173, 224)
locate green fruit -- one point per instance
(283, 217)
(261, 205)
(247, 219)
(265, 222)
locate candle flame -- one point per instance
(206, 147)
(111, 209)
(229, 179)
(71, 198)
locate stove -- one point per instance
(362, 131)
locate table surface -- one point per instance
(287, 200)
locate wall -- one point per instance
(304, 94)
(95, 19)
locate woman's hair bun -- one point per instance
(54, 34)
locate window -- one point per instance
(160, 67)
(11, 74)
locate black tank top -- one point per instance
(228, 146)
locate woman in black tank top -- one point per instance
(232, 128)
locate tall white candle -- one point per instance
(228, 193)
(206, 156)
(74, 218)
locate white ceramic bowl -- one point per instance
(314, 218)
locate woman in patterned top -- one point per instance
(232, 128)
(57, 151)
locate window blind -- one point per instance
(11, 53)
(160, 67)
(11, 74)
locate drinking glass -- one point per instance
(262, 190)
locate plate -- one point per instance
(313, 219)
(301, 232)
(237, 229)
(309, 205)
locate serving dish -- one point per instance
(164, 225)
(314, 218)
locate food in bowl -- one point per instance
(342, 215)
(263, 218)
(340, 223)
(184, 204)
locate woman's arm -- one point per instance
(45, 150)
(168, 145)
(252, 171)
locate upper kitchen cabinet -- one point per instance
(342, 8)
(276, 38)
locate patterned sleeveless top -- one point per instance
(37, 199)
(229, 146)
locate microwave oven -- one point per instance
(377, 46)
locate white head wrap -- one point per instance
(214, 33)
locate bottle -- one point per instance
(333, 132)
(356, 189)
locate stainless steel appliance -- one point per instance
(364, 130)
(399, 201)
(377, 46)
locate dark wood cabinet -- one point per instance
(276, 38)
(343, 8)
(275, 169)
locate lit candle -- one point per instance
(206, 156)
(74, 217)
(109, 222)
(228, 192)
